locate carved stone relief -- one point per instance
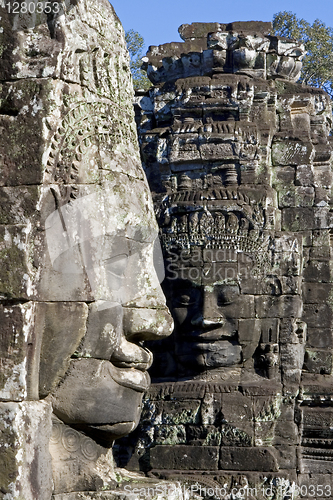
(238, 159)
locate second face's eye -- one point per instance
(227, 295)
(184, 299)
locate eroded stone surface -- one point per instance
(244, 48)
(26, 470)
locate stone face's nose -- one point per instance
(147, 318)
(210, 315)
(147, 324)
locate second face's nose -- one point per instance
(210, 314)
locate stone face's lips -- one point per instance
(199, 346)
(129, 355)
(129, 377)
(214, 346)
(132, 364)
(211, 335)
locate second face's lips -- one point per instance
(210, 335)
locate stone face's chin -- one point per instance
(91, 384)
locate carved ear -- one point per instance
(56, 195)
(301, 330)
(273, 285)
(61, 195)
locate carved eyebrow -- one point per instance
(116, 258)
(184, 284)
(229, 290)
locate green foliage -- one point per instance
(318, 41)
(135, 44)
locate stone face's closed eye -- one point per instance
(186, 299)
(116, 265)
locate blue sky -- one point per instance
(158, 20)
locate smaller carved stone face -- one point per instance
(207, 304)
(206, 321)
(227, 305)
(210, 254)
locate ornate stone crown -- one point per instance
(227, 221)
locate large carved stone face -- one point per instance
(90, 267)
(225, 310)
(105, 240)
